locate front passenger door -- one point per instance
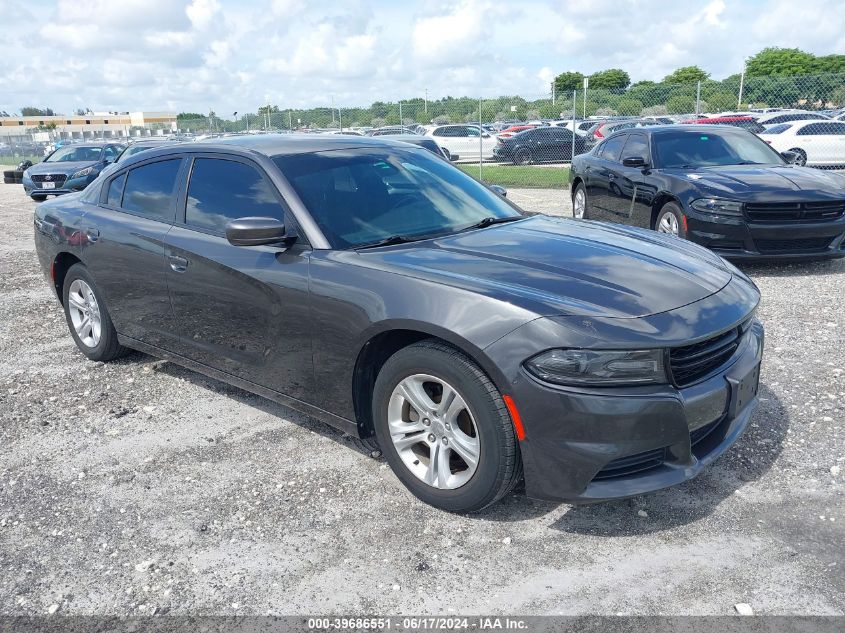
(242, 310)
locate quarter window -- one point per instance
(224, 190)
(116, 191)
(149, 189)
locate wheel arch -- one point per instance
(381, 343)
(62, 262)
(659, 201)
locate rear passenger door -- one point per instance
(124, 248)
(242, 310)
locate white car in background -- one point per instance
(817, 143)
(775, 118)
(466, 141)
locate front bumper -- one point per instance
(68, 186)
(584, 446)
(739, 239)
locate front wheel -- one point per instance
(88, 318)
(522, 157)
(671, 220)
(579, 203)
(444, 428)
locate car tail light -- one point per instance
(598, 133)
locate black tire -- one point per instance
(671, 208)
(108, 347)
(522, 156)
(801, 159)
(9, 181)
(38, 197)
(499, 466)
(9, 174)
(582, 189)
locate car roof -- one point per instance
(658, 130)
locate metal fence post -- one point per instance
(574, 105)
(698, 99)
(480, 141)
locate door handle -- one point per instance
(178, 264)
(611, 176)
(92, 234)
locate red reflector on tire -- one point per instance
(517, 420)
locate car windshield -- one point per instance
(688, 149)
(361, 196)
(74, 154)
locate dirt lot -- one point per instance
(139, 487)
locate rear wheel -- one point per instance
(444, 428)
(88, 318)
(579, 203)
(670, 220)
(522, 157)
(800, 156)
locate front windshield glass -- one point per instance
(74, 154)
(362, 196)
(688, 149)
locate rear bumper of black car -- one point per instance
(585, 447)
(741, 239)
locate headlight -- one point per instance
(82, 172)
(601, 368)
(717, 206)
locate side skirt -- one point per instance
(347, 426)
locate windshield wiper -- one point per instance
(390, 241)
(489, 221)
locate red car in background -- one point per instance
(745, 122)
(514, 129)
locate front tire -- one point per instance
(671, 220)
(579, 203)
(88, 318)
(444, 429)
(522, 157)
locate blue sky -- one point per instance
(196, 55)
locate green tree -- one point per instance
(32, 111)
(629, 106)
(611, 79)
(829, 64)
(721, 101)
(569, 81)
(686, 75)
(780, 61)
(189, 115)
(680, 104)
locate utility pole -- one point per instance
(332, 110)
(698, 100)
(290, 121)
(553, 94)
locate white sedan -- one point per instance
(774, 118)
(463, 141)
(815, 142)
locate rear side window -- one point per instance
(116, 191)
(612, 148)
(223, 190)
(149, 189)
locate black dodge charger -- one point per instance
(377, 287)
(720, 187)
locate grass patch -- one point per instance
(530, 177)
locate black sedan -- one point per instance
(68, 169)
(542, 144)
(375, 286)
(720, 187)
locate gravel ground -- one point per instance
(140, 487)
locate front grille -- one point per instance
(804, 244)
(59, 179)
(794, 211)
(691, 362)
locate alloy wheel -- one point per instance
(433, 431)
(84, 313)
(668, 224)
(579, 204)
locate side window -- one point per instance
(637, 145)
(612, 149)
(560, 134)
(837, 129)
(812, 129)
(439, 132)
(110, 153)
(116, 191)
(223, 190)
(149, 189)
(471, 131)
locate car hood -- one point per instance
(60, 168)
(555, 266)
(762, 183)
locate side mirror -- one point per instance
(500, 190)
(634, 161)
(257, 232)
(789, 157)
